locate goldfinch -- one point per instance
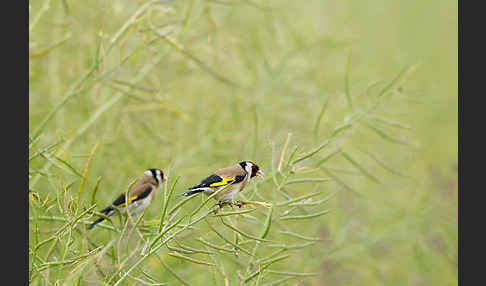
(139, 196)
(237, 176)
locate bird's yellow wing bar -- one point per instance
(223, 182)
(130, 199)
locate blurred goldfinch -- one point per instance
(237, 176)
(139, 196)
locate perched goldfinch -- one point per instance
(237, 176)
(139, 196)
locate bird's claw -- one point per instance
(238, 203)
(220, 205)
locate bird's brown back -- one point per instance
(141, 184)
(231, 171)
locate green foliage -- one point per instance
(349, 107)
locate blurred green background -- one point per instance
(228, 80)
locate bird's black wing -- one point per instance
(207, 182)
(214, 181)
(239, 179)
(120, 201)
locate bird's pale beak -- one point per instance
(260, 173)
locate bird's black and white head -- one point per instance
(156, 174)
(251, 168)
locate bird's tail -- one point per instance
(107, 211)
(96, 222)
(192, 192)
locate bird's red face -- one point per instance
(255, 170)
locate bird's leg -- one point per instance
(215, 211)
(220, 204)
